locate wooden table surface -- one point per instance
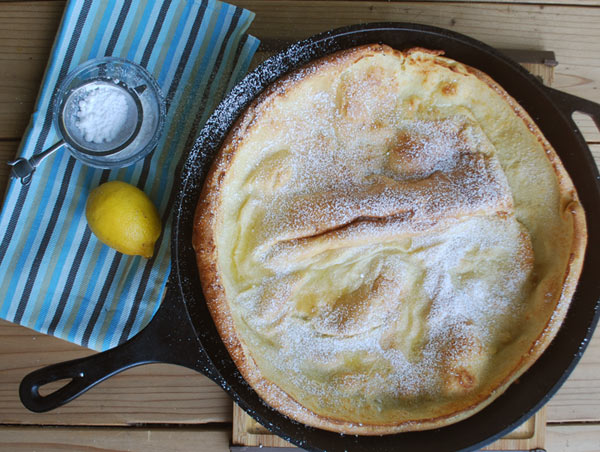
(166, 408)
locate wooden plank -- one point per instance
(157, 393)
(530, 435)
(537, 2)
(573, 438)
(27, 32)
(595, 148)
(571, 32)
(579, 398)
(563, 438)
(587, 127)
(543, 72)
(131, 397)
(8, 150)
(130, 439)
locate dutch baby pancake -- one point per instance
(386, 241)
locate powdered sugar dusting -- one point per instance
(374, 259)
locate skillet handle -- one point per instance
(168, 338)
(570, 104)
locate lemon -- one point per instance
(124, 218)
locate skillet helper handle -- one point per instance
(168, 338)
(570, 104)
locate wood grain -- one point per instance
(573, 438)
(156, 393)
(8, 150)
(530, 435)
(161, 394)
(50, 439)
(579, 398)
(559, 438)
(538, 2)
(27, 32)
(586, 126)
(595, 148)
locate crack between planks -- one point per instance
(572, 423)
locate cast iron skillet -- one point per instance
(182, 331)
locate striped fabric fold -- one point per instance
(55, 276)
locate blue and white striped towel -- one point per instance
(55, 276)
